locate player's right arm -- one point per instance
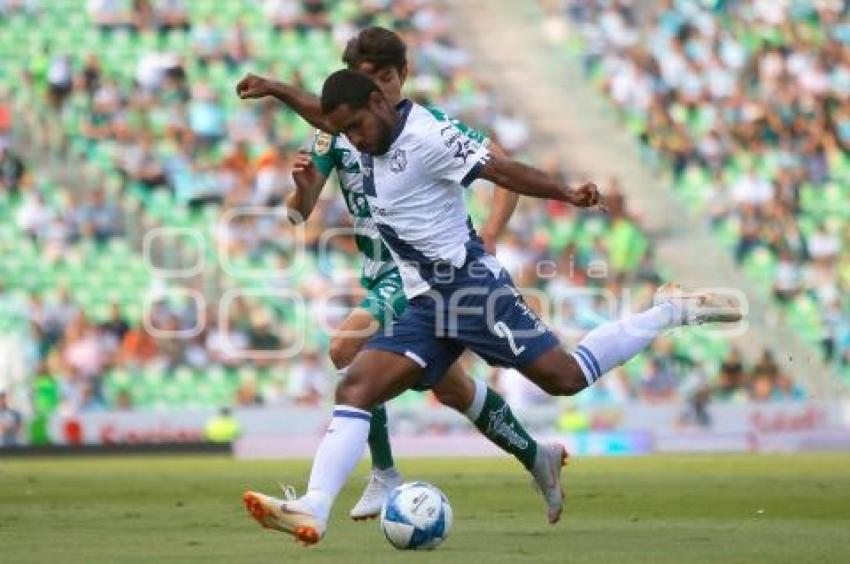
(303, 103)
(309, 179)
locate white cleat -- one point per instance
(696, 308)
(547, 477)
(288, 515)
(381, 483)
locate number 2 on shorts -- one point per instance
(503, 331)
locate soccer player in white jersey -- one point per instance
(381, 54)
(415, 169)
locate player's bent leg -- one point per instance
(456, 390)
(374, 377)
(493, 417)
(351, 335)
(489, 412)
(377, 376)
(556, 373)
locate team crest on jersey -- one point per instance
(322, 143)
(398, 160)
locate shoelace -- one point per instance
(288, 492)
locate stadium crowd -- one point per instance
(155, 114)
(747, 103)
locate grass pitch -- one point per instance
(676, 509)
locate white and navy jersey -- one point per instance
(415, 195)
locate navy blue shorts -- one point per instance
(475, 307)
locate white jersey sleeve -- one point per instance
(451, 155)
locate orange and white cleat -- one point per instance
(696, 308)
(551, 458)
(285, 515)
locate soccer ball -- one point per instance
(416, 516)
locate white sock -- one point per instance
(473, 412)
(336, 457)
(611, 344)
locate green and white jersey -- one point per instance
(335, 152)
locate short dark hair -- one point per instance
(378, 46)
(347, 87)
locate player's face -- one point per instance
(370, 128)
(388, 78)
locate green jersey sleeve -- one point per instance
(322, 152)
(472, 133)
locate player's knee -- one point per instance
(565, 385)
(354, 392)
(563, 381)
(342, 352)
(452, 398)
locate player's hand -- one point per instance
(586, 196)
(253, 86)
(304, 171)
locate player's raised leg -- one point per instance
(612, 344)
(374, 377)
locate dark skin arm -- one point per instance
(299, 101)
(529, 181)
(309, 182)
(503, 206)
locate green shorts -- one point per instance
(385, 298)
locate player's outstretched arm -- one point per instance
(504, 204)
(530, 181)
(303, 103)
(309, 182)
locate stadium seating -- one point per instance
(97, 272)
(712, 90)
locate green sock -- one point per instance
(498, 424)
(379, 440)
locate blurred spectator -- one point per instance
(308, 381)
(60, 79)
(10, 423)
(732, 383)
(109, 15)
(658, 384)
(116, 326)
(284, 14)
(138, 347)
(172, 15)
(12, 170)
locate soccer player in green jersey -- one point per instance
(380, 54)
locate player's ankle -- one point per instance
(386, 473)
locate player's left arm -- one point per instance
(530, 181)
(504, 201)
(450, 154)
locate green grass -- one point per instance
(655, 509)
